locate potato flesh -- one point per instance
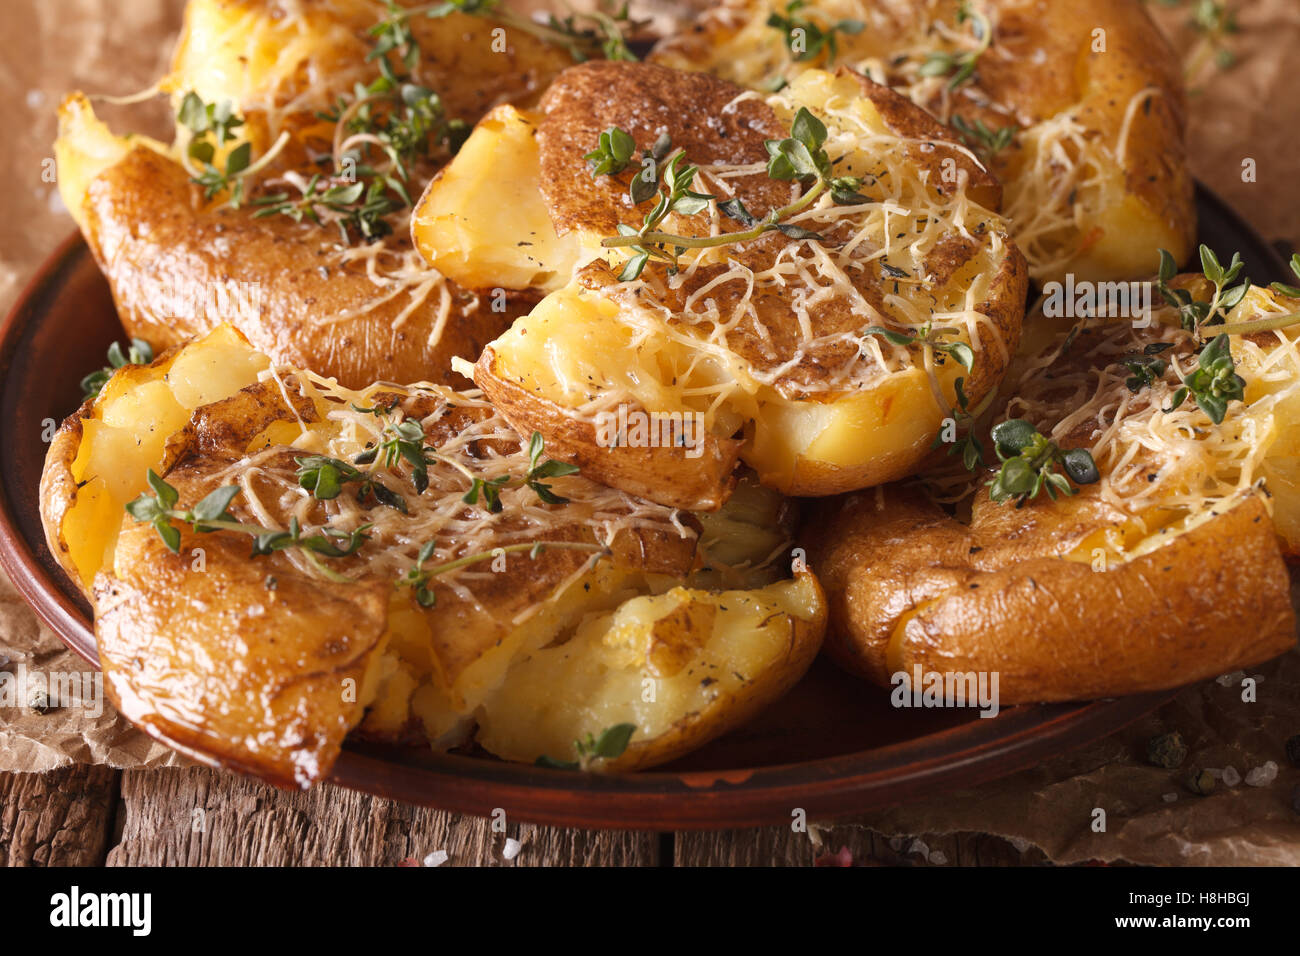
(127, 430)
(687, 649)
(482, 222)
(85, 148)
(238, 51)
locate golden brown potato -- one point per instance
(400, 604)
(912, 587)
(682, 667)
(1141, 580)
(779, 351)
(177, 270)
(180, 263)
(298, 56)
(1095, 171)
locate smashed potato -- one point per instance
(825, 363)
(1139, 578)
(304, 247)
(408, 551)
(1078, 110)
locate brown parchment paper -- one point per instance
(1249, 111)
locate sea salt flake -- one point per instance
(1262, 776)
(436, 858)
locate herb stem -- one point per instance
(725, 238)
(1260, 325)
(468, 559)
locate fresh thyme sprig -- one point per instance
(325, 477)
(967, 444)
(961, 353)
(1215, 21)
(138, 353)
(979, 137)
(404, 441)
(798, 158)
(1145, 369)
(211, 514)
(612, 742)
(960, 67)
(211, 126)
(1214, 382)
(1289, 290)
(418, 576)
(588, 35)
(805, 39)
(1192, 312)
(1029, 463)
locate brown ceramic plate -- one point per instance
(833, 746)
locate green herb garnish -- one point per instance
(961, 353)
(1214, 382)
(1192, 312)
(798, 158)
(987, 141)
(960, 67)
(138, 353)
(612, 742)
(1029, 463)
(967, 444)
(805, 39)
(211, 514)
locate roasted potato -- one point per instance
(1078, 108)
(413, 569)
(1140, 581)
(682, 667)
(801, 358)
(303, 285)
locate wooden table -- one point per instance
(94, 815)
(88, 816)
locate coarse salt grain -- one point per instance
(1231, 777)
(938, 857)
(511, 849)
(1262, 776)
(436, 858)
(919, 846)
(1169, 797)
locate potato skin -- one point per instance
(145, 221)
(996, 597)
(58, 491)
(665, 475)
(233, 672)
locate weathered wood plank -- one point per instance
(200, 817)
(60, 818)
(780, 846)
